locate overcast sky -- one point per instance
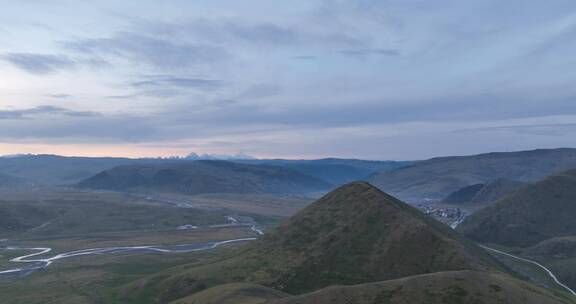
(375, 79)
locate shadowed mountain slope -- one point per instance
(198, 177)
(463, 195)
(496, 190)
(438, 177)
(532, 214)
(480, 194)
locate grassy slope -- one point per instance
(234, 293)
(91, 280)
(437, 288)
(482, 194)
(92, 220)
(68, 213)
(7, 255)
(354, 235)
(530, 215)
(559, 255)
(437, 177)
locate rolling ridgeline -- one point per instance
(436, 178)
(205, 176)
(55, 170)
(357, 235)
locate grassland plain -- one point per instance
(7, 255)
(67, 221)
(260, 204)
(43, 214)
(89, 280)
(134, 238)
(96, 279)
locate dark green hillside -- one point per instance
(355, 234)
(18, 216)
(234, 293)
(88, 213)
(481, 194)
(559, 247)
(455, 287)
(528, 216)
(463, 195)
(496, 190)
(199, 177)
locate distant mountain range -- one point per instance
(354, 245)
(438, 177)
(209, 156)
(412, 181)
(205, 176)
(334, 170)
(60, 170)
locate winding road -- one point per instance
(548, 271)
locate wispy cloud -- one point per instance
(305, 77)
(180, 82)
(60, 96)
(154, 51)
(238, 32)
(44, 110)
(305, 57)
(39, 63)
(365, 53)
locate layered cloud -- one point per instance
(305, 78)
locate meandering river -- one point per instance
(40, 258)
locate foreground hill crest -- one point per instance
(353, 235)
